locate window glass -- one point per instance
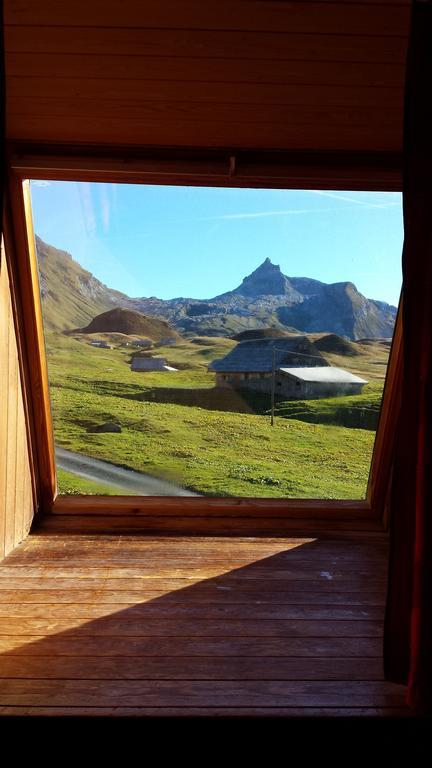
(178, 320)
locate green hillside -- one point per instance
(177, 426)
(71, 296)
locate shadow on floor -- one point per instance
(123, 625)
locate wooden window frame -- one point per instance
(377, 172)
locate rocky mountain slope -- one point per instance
(71, 296)
(266, 298)
(310, 305)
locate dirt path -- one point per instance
(117, 477)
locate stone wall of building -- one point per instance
(285, 386)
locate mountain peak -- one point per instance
(266, 298)
(267, 280)
(268, 265)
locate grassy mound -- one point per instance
(259, 333)
(129, 322)
(336, 345)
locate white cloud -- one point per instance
(105, 206)
(345, 199)
(262, 214)
(297, 211)
(87, 208)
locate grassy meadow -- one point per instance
(177, 426)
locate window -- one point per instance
(149, 292)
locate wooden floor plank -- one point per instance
(188, 711)
(197, 585)
(221, 547)
(321, 575)
(70, 645)
(275, 562)
(68, 592)
(329, 568)
(189, 668)
(145, 626)
(222, 552)
(359, 566)
(124, 626)
(171, 609)
(199, 693)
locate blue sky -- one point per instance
(198, 241)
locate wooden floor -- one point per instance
(139, 625)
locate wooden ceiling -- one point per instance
(271, 74)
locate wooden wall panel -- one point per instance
(33, 95)
(112, 131)
(386, 18)
(182, 69)
(222, 45)
(16, 487)
(257, 74)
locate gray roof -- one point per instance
(142, 342)
(150, 364)
(256, 356)
(325, 375)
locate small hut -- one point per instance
(146, 364)
(102, 344)
(300, 370)
(142, 343)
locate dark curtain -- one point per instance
(408, 624)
